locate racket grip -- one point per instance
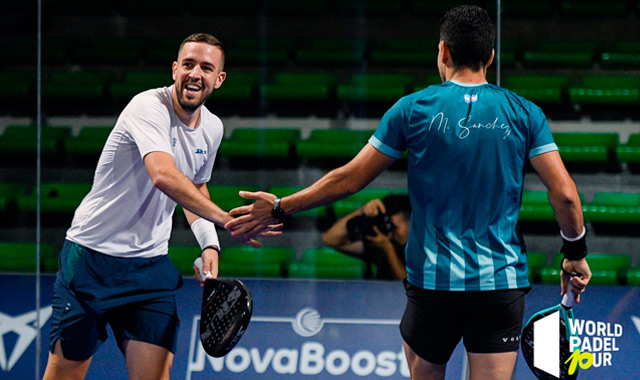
(205, 275)
(568, 300)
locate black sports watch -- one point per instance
(278, 212)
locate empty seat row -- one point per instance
(275, 262)
(606, 269)
(284, 147)
(608, 212)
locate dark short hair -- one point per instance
(395, 203)
(205, 38)
(469, 33)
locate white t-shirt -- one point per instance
(124, 214)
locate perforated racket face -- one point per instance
(565, 334)
(226, 312)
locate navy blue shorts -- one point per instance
(488, 321)
(135, 296)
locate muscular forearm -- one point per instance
(340, 182)
(568, 209)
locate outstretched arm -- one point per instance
(171, 181)
(565, 201)
(336, 184)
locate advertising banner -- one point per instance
(302, 329)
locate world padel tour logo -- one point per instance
(305, 356)
(24, 327)
(592, 344)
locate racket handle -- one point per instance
(568, 300)
(205, 275)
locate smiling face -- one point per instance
(197, 73)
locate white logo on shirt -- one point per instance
(470, 98)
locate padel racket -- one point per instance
(225, 315)
(565, 310)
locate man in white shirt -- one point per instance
(114, 267)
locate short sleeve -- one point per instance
(148, 121)
(390, 137)
(541, 138)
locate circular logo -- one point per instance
(307, 322)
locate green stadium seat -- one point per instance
(536, 262)
(18, 145)
(259, 52)
(17, 85)
(270, 147)
(21, 257)
(590, 151)
(55, 198)
(9, 193)
(238, 86)
(183, 257)
(633, 277)
(255, 262)
(540, 89)
(403, 52)
(630, 153)
(327, 263)
(225, 196)
(561, 54)
(85, 149)
(375, 87)
(135, 82)
(606, 269)
(613, 208)
(58, 202)
(332, 52)
(328, 147)
(314, 213)
(294, 93)
(64, 92)
(535, 207)
(606, 90)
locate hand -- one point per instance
(255, 219)
(379, 240)
(374, 208)
(578, 283)
(209, 260)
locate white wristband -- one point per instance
(584, 231)
(205, 233)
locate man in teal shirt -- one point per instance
(468, 142)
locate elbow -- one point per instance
(566, 197)
(160, 179)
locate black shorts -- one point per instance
(434, 321)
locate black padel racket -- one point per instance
(565, 314)
(226, 312)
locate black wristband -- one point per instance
(212, 247)
(277, 212)
(575, 250)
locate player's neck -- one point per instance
(190, 118)
(466, 75)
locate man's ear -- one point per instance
(221, 77)
(174, 70)
(445, 53)
(490, 61)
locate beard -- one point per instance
(190, 105)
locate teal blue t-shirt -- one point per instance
(467, 148)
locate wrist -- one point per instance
(574, 248)
(277, 211)
(206, 235)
